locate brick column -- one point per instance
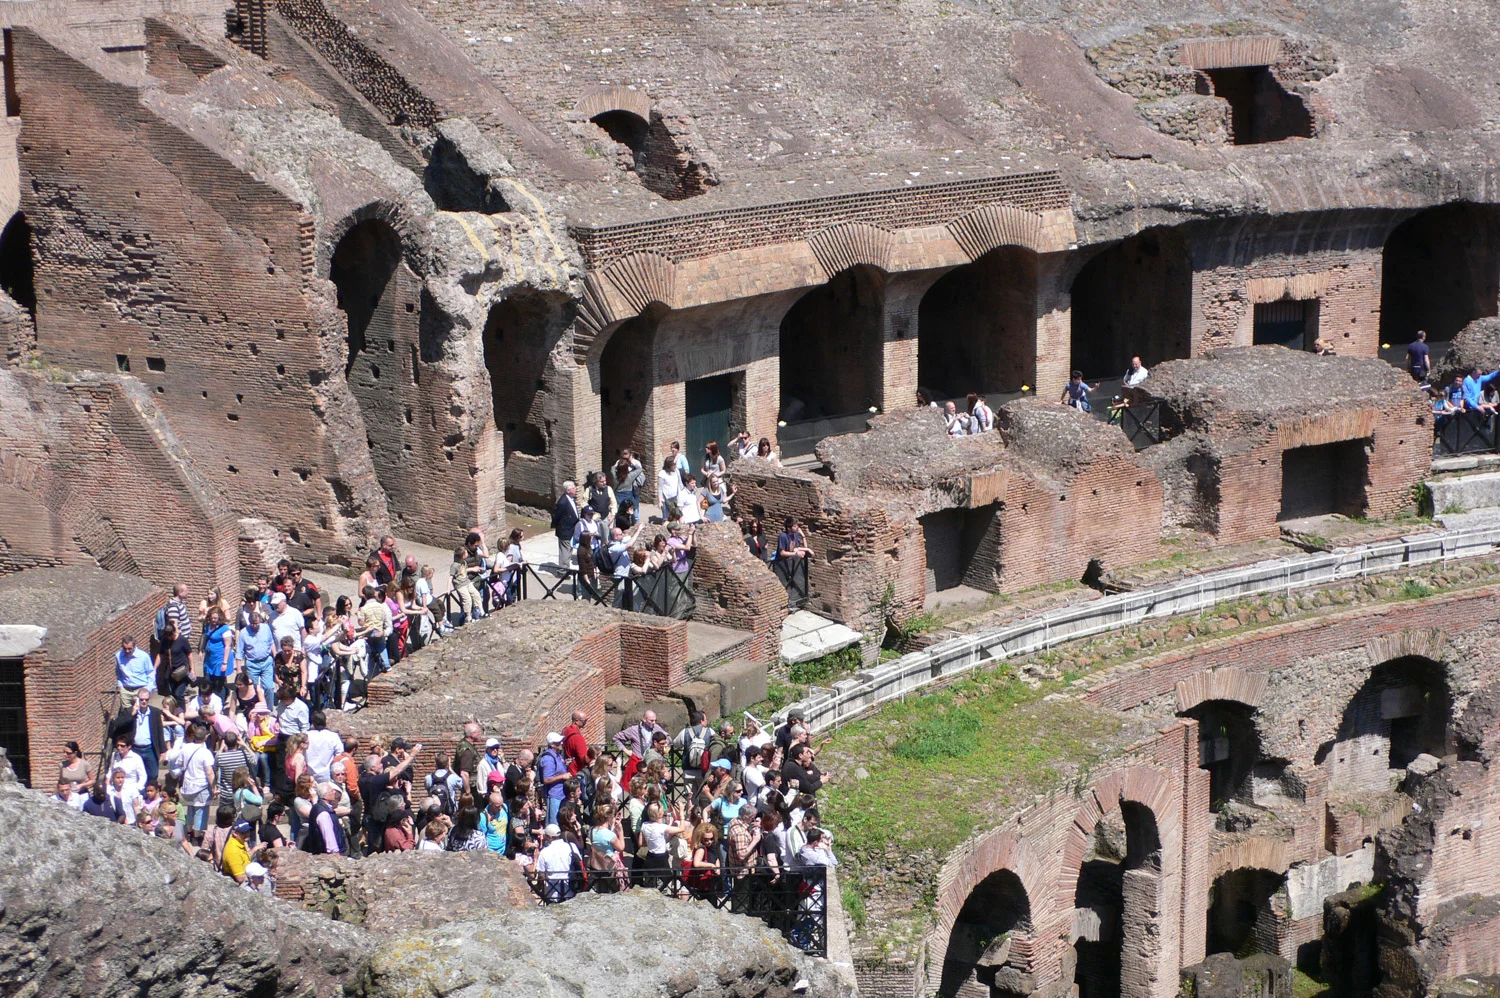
(576, 441)
(1054, 323)
(899, 337)
(761, 401)
(489, 479)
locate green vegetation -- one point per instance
(1421, 498)
(854, 907)
(1412, 589)
(1453, 507)
(945, 763)
(827, 668)
(1305, 986)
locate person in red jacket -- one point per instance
(575, 747)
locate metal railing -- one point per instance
(792, 573)
(1142, 423)
(1465, 433)
(664, 592)
(794, 903)
(850, 697)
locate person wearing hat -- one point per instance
(554, 771)
(491, 764)
(236, 856)
(555, 863)
(255, 879)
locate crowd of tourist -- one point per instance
(234, 778)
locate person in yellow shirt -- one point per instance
(236, 852)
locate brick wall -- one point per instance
(1346, 286)
(738, 590)
(65, 700)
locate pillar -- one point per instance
(758, 398)
(899, 339)
(1054, 323)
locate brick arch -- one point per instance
(378, 210)
(1228, 683)
(600, 100)
(849, 244)
(1003, 848)
(1143, 785)
(650, 286)
(1430, 643)
(991, 226)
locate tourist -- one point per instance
(174, 661)
(494, 823)
(1473, 391)
(801, 772)
(1076, 393)
(305, 597)
(143, 725)
(255, 651)
(607, 847)
(554, 864)
(600, 497)
(552, 767)
(1419, 358)
(791, 543)
(680, 460)
(981, 416)
(217, 649)
(124, 795)
(700, 872)
(718, 494)
(197, 766)
(1135, 374)
(231, 757)
(713, 461)
(286, 623)
(1323, 348)
(291, 711)
(629, 477)
(325, 831)
(565, 517)
(692, 744)
(755, 540)
(134, 671)
(669, 489)
(100, 805)
(235, 859)
(76, 771)
(512, 564)
(764, 452)
(957, 423)
(386, 561)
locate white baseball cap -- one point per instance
(553, 738)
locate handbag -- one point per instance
(180, 674)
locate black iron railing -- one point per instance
(1465, 433)
(793, 575)
(1141, 423)
(794, 903)
(664, 592)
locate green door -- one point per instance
(709, 401)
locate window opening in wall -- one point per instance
(1292, 324)
(1228, 748)
(1260, 108)
(17, 268)
(122, 362)
(156, 363)
(1328, 478)
(1403, 710)
(1133, 299)
(627, 130)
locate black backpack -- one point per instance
(387, 807)
(443, 791)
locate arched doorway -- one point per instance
(1118, 896)
(831, 347)
(1133, 299)
(628, 131)
(1440, 271)
(1403, 710)
(976, 327)
(989, 946)
(1246, 910)
(363, 263)
(1228, 748)
(17, 267)
(519, 335)
(626, 379)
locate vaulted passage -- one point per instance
(1260, 108)
(977, 326)
(519, 334)
(1134, 299)
(1118, 897)
(363, 264)
(831, 345)
(989, 949)
(1403, 710)
(1328, 478)
(1440, 271)
(1247, 911)
(1228, 747)
(625, 383)
(17, 270)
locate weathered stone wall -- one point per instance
(738, 590)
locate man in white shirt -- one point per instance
(322, 746)
(125, 758)
(286, 622)
(123, 795)
(291, 712)
(1136, 374)
(68, 798)
(555, 864)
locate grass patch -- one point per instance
(854, 907)
(949, 734)
(826, 668)
(1453, 507)
(1306, 986)
(1412, 589)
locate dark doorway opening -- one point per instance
(832, 350)
(1327, 478)
(13, 737)
(1291, 324)
(17, 267)
(628, 129)
(519, 334)
(626, 377)
(976, 327)
(1403, 710)
(710, 403)
(981, 957)
(1260, 108)
(1134, 299)
(1118, 896)
(1439, 272)
(1242, 912)
(363, 263)
(961, 547)
(1228, 748)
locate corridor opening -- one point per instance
(1440, 271)
(976, 327)
(1260, 108)
(1246, 910)
(961, 547)
(990, 944)
(626, 373)
(1327, 478)
(1228, 748)
(831, 347)
(1134, 299)
(363, 264)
